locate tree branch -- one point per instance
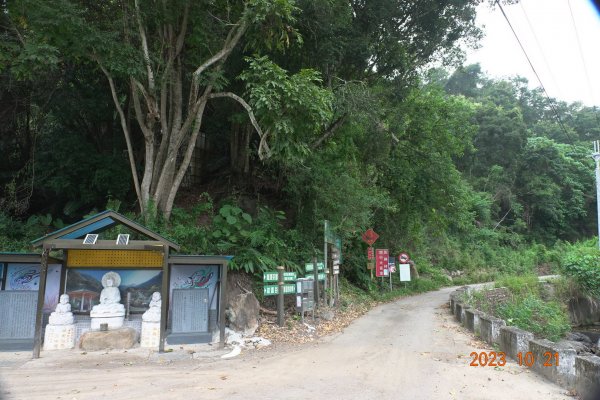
(329, 131)
(136, 182)
(230, 42)
(144, 46)
(265, 153)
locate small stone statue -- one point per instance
(153, 313)
(110, 296)
(62, 315)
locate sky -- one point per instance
(549, 35)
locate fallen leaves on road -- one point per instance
(295, 332)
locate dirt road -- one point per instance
(409, 349)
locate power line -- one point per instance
(585, 70)
(541, 50)
(552, 105)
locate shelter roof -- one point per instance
(99, 223)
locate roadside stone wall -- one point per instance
(556, 362)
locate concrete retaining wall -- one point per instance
(472, 321)
(514, 341)
(490, 328)
(561, 371)
(587, 371)
(571, 371)
(459, 311)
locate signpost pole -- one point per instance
(596, 156)
(316, 282)
(280, 295)
(325, 264)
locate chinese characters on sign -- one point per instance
(370, 253)
(381, 262)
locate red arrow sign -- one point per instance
(369, 237)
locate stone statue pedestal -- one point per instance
(150, 337)
(114, 320)
(59, 337)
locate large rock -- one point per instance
(123, 338)
(242, 313)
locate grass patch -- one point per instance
(531, 313)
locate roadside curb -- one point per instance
(572, 372)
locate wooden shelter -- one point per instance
(84, 245)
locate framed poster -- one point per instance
(27, 277)
(85, 284)
(196, 277)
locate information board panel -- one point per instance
(381, 262)
(404, 272)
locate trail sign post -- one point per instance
(370, 253)
(280, 289)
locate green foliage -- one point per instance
(520, 285)
(582, 263)
(547, 319)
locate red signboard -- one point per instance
(369, 237)
(370, 253)
(381, 262)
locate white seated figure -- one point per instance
(153, 313)
(110, 297)
(62, 315)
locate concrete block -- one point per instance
(472, 321)
(150, 337)
(490, 328)
(546, 363)
(59, 337)
(459, 312)
(587, 370)
(514, 340)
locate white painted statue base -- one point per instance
(59, 337)
(150, 335)
(114, 322)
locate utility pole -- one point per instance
(596, 156)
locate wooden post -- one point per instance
(280, 295)
(164, 296)
(316, 282)
(37, 339)
(222, 304)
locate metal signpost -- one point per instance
(404, 267)
(317, 275)
(330, 238)
(392, 268)
(596, 156)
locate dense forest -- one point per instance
(237, 127)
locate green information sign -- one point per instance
(310, 267)
(321, 276)
(272, 290)
(271, 276)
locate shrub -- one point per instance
(545, 319)
(582, 263)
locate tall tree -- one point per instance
(166, 56)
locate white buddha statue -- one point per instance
(110, 297)
(153, 313)
(62, 315)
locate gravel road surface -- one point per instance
(409, 349)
